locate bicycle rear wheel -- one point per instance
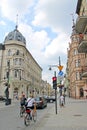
(27, 119)
(34, 116)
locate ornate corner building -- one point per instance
(18, 68)
(77, 54)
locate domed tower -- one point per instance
(15, 35)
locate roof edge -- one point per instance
(78, 6)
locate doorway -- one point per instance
(81, 92)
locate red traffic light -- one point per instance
(54, 78)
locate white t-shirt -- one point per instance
(62, 98)
(30, 102)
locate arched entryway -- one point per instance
(81, 92)
(15, 93)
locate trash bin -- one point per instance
(8, 101)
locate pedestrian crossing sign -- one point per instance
(60, 73)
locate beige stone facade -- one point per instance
(46, 89)
(18, 67)
(77, 54)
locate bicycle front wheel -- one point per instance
(27, 119)
(21, 112)
(35, 116)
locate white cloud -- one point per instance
(35, 39)
(10, 8)
(58, 45)
(53, 14)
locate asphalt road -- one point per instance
(71, 117)
(10, 117)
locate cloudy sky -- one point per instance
(46, 25)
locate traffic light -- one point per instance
(54, 82)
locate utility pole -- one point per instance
(55, 94)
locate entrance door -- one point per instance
(81, 92)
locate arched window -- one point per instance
(17, 53)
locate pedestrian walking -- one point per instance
(61, 101)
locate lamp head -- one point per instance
(50, 68)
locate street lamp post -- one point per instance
(55, 87)
(55, 90)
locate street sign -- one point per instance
(60, 67)
(60, 73)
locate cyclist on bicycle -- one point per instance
(23, 100)
(22, 104)
(30, 104)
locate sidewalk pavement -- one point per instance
(2, 104)
(71, 117)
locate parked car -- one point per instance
(41, 102)
(50, 99)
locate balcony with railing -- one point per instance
(81, 22)
(82, 48)
(84, 71)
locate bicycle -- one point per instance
(30, 117)
(22, 110)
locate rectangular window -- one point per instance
(77, 63)
(75, 51)
(9, 52)
(8, 63)
(16, 73)
(80, 75)
(7, 75)
(77, 76)
(16, 61)
(20, 61)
